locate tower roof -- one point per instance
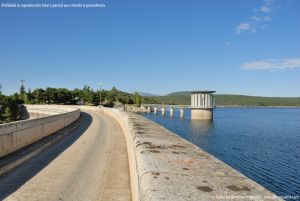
(202, 92)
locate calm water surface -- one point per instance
(262, 143)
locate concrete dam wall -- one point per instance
(44, 120)
(163, 166)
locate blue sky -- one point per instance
(247, 47)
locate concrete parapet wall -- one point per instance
(16, 135)
(163, 166)
(37, 111)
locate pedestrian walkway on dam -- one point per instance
(90, 163)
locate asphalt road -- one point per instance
(90, 163)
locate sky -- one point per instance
(249, 47)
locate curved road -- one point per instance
(90, 163)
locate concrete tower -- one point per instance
(202, 105)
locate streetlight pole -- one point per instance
(100, 92)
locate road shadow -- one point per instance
(14, 179)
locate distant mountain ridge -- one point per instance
(180, 93)
(146, 94)
(183, 98)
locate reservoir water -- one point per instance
(262, 143)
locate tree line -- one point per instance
(86, 96)
(10, 105)
(184, 98)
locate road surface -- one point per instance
(90, 163)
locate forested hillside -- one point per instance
(183, 98)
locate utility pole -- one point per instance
(22, 85)
(22, 81)
(22, 89)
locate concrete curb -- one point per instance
(20, 157)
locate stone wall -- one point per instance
(48, 119)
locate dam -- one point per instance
(161, 165)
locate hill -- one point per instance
(183, 98)
(180, 93)
(145, 94)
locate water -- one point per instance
(262, 143)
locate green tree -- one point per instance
(30, 97)
(39, 95)
(63, 95)
(9, 110)
(110, 99)
(7, 115)
(16, 98)
(22, 95)
(76, 95)
(137, 99)
(50, 95)
(122, 98)
(87, 94)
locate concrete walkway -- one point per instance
(89, 164)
